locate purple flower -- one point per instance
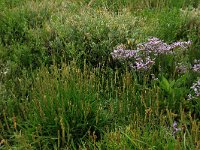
(175, 129)
(123, 54)
(143, 58)
(190, 96)
(174, 124)
(196, 90)
(181, 44)
(196, 66)
(181, 68)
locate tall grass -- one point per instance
(61, 89)
(66, 107)
(142, 4)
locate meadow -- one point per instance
(99, 74)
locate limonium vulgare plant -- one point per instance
(195, 94)
(147, 54)
(175, 128)
(196, 90)
(196, 66)
(143, 58)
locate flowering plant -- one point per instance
(143, 58)
(196, 90)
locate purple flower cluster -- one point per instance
(181, 44)
(144, 64)
(157, 46)
(196, 67)
(196, 88)
(143, 58)
(181, 68)
(123, 54)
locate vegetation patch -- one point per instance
(99, 74)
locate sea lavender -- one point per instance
(196, 66)
(175, 129)
(123, 54)
(143, 58)
(143, 64)
(181, 68)
(183, 45)
(196, 90)
(155, 46)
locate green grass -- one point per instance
(61, 89)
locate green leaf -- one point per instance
(172, 83)
(179, 82)
(164, 84)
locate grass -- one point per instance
(61, 89)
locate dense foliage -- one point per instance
(99, 74)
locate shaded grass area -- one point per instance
(61, 89)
